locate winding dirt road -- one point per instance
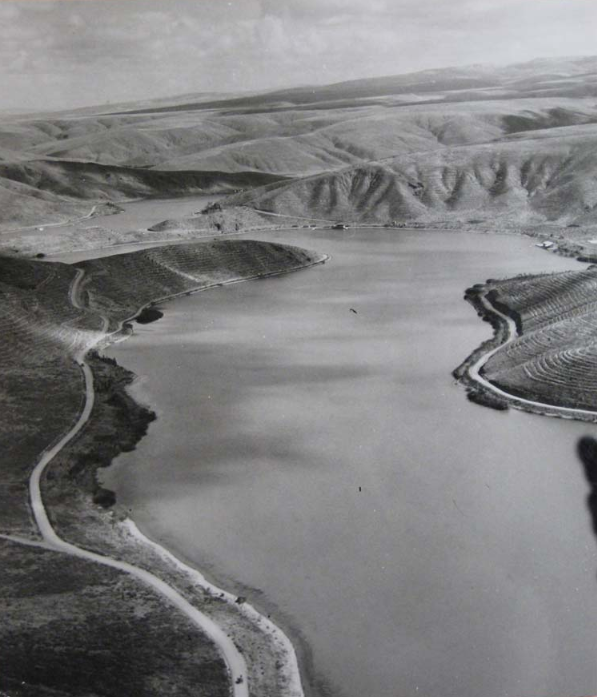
(474, 372)
(232, 657)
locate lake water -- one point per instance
(324, 461)
(136, 215)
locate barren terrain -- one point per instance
(488, 148)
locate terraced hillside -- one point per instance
(90, 618)
(40, 331)
(438, 145)
(554, 358)
(119, 285)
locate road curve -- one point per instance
(474, 371)
(232, 657)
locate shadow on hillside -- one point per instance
(587, 452)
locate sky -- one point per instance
(57, 54)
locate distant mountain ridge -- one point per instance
(421, 82)
(432, 145)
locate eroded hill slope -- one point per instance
(354, 148)
(528, 179)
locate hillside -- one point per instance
(345, 150)
(119, 285)
(97, 628)
(534, 177)
(552, 359)
(45, 191)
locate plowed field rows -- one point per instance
(554, 360)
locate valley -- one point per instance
(174, 462)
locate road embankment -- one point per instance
(540, 360)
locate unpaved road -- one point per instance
(474, 372)
(233, 658)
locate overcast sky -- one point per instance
(62, 53)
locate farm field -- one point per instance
(554, 358)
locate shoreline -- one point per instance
(562, 247)
(263, 610)
(323, 258)
(505, 323)
(290, 684)
(234, 661)
(298, 668)
(294, 666)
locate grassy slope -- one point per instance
(40, 330)
(87, 618)
(120, 284)
(70, 627)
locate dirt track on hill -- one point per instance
(473, 372)
(51, 540)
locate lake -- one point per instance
(135, 215)
(323, 461)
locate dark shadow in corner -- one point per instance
(587, 452)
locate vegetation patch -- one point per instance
(117, 424)
(71, 627)
(149, 314)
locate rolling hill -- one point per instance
(535, 177)
(502, 145)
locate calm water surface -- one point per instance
(136, 215)
(416, 543)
